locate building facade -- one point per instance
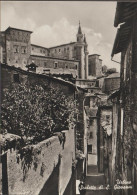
(17, 50)
(72, 58)
(94, 65)
(125, 43)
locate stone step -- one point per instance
(95, 180)
(92, 169)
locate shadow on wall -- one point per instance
(52, 184)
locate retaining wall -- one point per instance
(51, 151)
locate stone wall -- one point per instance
(51, 151)
(129, 104)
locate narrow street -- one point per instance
(97, 180)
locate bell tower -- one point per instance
(80, 37)
(80, 53)
(86, 57)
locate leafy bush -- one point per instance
(35, 113)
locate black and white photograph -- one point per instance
(68, 97)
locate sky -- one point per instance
(56, 22)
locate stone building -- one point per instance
(71, 58)
(111, 83)
(95, 66)
(125, 124)
(17, 48)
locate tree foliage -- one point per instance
(35, 113)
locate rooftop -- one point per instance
(11, 28)
(68, 83)
(122, 38)
(114, 75)
(39, 46)
(124, 11)
(114, 94)
(71, 43)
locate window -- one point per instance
(45, 64)
(41, 51)
(23, 50)
(55, 65)
(16, 78)
(16, 61)
(91, 122)
(32, 48)
(64, 49)
(97, 83)
(68, 48)
(108, 119)
(59, 50)
(66, 66)
(76, 66)
(90, 135)
(90, 149)
(16, 49)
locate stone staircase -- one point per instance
(96, 182)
